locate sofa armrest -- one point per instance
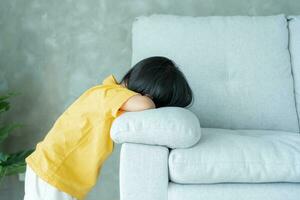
(144, 172)
(173, 127)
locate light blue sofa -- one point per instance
(240, 138)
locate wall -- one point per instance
(51, 51)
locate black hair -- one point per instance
(161, 79)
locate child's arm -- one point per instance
(137, 103)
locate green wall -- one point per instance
(51, 51)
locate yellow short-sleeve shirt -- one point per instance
(72, 153)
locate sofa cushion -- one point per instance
(238, 66)
(268, 191)
(174, 127)
(294, 46)
(238, 156)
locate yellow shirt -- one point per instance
(72, 153)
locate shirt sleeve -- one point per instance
(115, 97)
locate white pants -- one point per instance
(38, 189)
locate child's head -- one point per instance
(161, 79)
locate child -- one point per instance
(66, 164)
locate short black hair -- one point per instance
(160, 78)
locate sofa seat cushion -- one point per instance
(235, 191)
(238, 156)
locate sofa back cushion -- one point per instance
(238, 66)
(294, 46)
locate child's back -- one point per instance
(71, 154)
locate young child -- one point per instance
(66, 164)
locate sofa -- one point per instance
(239, 139)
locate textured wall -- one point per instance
(51, 51)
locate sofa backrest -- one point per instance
(238, 66)
(294, 47)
